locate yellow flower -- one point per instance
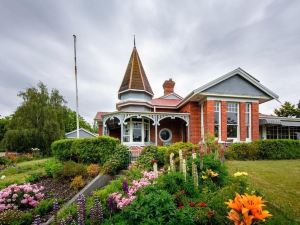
(204, 177)
(238, 174)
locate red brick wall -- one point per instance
(100, 129)
(255, 121)
(208, 113)
(194, 109)
(223, 120)
(177, 127)
(243, 129)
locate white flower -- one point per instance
(2, 177)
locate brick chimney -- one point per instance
(168, 86)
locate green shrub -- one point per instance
(62, 149)
(174, 182)
(118, 160)
(15, 217)
(44, 207)
(155, 207)
(210, 163)
(87, 150)
(278, 149)
(264, 149)
(53, 168)
(149, 154)
(33, 177)
(72, 169)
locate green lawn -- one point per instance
(277, 180)
(18, 174)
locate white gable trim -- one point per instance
(173, 93)
(82, 129)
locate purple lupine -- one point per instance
(55, 210)
(69, 219)
(81, 209)
(125, 186)
(111, 204)
(37, 220)
(92, 215)
(98, 210)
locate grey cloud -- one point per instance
(191, 41)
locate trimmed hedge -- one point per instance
(86, 150)
(264, 149)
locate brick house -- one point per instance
(227, 108)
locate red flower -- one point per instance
(181, 206)
(192, 204)
(153, 161)
(202, 204)
(210, 213)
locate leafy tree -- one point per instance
(3, 126)
(288, 109)
(70, 122)
(38, 121)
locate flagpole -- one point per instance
(77, 113)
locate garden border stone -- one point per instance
(98, 182)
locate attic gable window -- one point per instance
(232, 119)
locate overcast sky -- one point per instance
(193, 42)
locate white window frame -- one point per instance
(237, 139)
(130, 124)
(170, 138)
(220, 122)
(249, 121)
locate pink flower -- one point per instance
(24, 201)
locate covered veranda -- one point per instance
(145, 128)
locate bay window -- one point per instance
(136, 130)
(232, 120)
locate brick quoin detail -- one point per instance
(194, 109)
(209, 117)
(223, 120)
(255, 121)
(243, 129)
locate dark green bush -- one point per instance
(119, 160)
(87, 150)
(264, 149)
(5, 161)
(21, 140)
(53, 168)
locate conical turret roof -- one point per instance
(135, 77)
